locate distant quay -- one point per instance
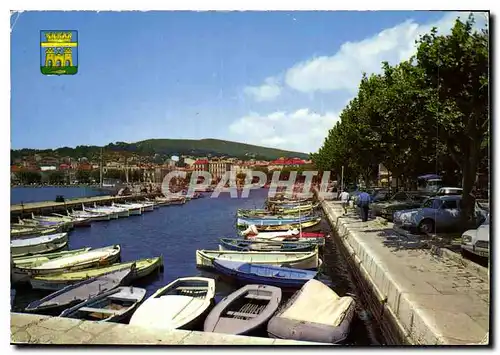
(51, 206)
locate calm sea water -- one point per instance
(176, 232)
(37, 194)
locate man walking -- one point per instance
(363, 204)
(344, 198)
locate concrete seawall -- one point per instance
(51, 206)
(36, 329)
(431, 300)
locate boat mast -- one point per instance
(100, 171)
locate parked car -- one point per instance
(403, 200)
(380, 194)
(449, 191)
(376, 194)
(477, 241)
(441, 213)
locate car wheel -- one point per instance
(426, 226)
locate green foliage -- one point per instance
(167, 148)
(29, 177)
(427, 114)
(83, 176)
(56, 177)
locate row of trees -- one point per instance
(427, 114)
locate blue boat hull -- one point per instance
(229, 268)
(244, 245)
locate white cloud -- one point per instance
(268, 91)
(302, 130)
(305, 130)
(344, 69)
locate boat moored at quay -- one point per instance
(284, 259)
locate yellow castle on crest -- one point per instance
(58, 54)
(58, 57)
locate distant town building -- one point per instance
(280, 163)
(200, 165)
(218, 168)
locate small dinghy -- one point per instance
(296, 260)
(110, 306)
(54, 282)
(264, 274)
(314, 313)
(178, 305)
(37, 245)
(95, 257)
(244, 311)
(263, 245)
(79, 292)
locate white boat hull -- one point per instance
(50, 246)
(296, 260)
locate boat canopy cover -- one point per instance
(317, 303)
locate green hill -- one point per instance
(168, 147)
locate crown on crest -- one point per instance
(58, 36)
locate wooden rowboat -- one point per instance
(263, 245)
(79, 292)
(56, 282)
(305, 226)
(246, 273)
(110, 306)
(93, 258)
(297, 260)
(177, 305)
(244, 311)
(37, 245)
(20, 266)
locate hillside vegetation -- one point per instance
(168, 147)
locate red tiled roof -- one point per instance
(292, 161)
(200, 161)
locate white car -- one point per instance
(477, 241)
(449, 191)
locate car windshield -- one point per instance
(399, 196)
(432, 203)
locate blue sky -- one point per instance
(276, 79)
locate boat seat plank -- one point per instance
(258, 297)
(241, 314)
(121, 299)
(100, 310)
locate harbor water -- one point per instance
(176, 232)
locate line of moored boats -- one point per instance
(276, 250)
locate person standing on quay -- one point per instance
(364, 204)
(344, 197)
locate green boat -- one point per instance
(19, 265)
(55, 282)
(266, 213)
(32, 260)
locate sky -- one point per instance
(276, 79)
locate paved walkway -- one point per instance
(436, 299)
(36, 329)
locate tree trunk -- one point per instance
(469, 171)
